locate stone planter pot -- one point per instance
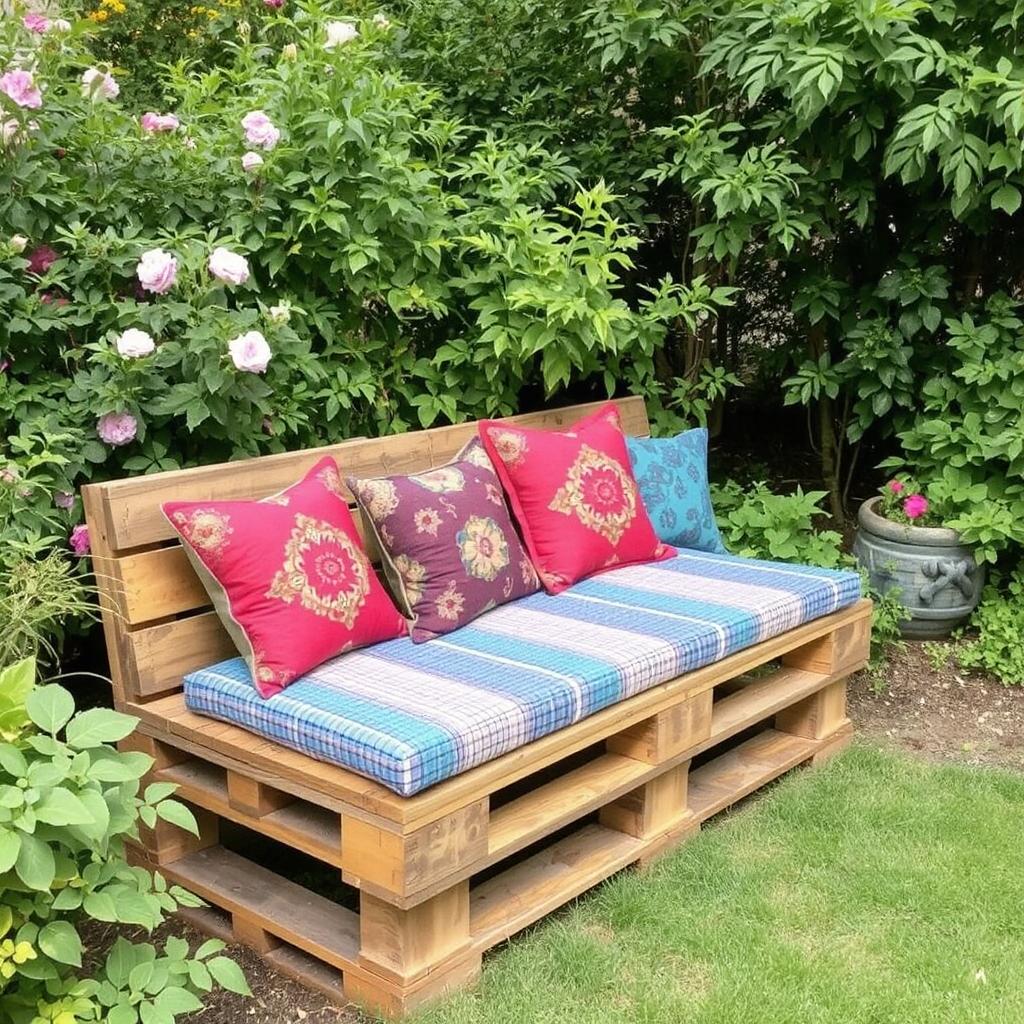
(938, 580)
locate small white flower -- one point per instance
(18, 243)
(339, 33)
(290, 51)
(60, 25)
(381, 21)
(250, 352)
(134, 344)
(280, 314)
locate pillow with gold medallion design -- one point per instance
(288, 576)
(574, 496)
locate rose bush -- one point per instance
(166, 299)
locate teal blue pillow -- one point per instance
(673, 476)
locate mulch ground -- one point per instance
(934, 711)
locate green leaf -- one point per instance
(1007, 199)
(122, 1014)
(208, 948)
(10, 844)
(35, 865)
(178, 814)
(99, 725)
(61, 807)
(50, 707)
(101, 906)
(12, 761)
(60, 942)
(228, 975)
(176, 1000)
(16, 682)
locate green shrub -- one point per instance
(68, 803)
(758, 523)
(965, 440)
(997, 645)
(403, 268)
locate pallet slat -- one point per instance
(546, 809)
(296, 915)
(527, 892)
(760, 699)
(744, 769)
(305, 826)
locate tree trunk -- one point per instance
(829, 440)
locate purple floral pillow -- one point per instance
(447, 542)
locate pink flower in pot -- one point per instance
(915, 506)
(895, 487)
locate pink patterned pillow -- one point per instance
(447, 542)
(288, 576)
(574, 496)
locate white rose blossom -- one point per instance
(250, 352)
(134, 344)
(229, 267)
(339, 33)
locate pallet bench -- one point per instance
(411, 892)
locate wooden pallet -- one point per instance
(421, 887)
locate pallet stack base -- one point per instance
(411, 893)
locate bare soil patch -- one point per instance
(940, 712)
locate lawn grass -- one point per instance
(876, 889)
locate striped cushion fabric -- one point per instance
(410, 715)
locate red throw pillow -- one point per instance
(575, 497)
(288, 576)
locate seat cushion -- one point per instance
(411, 715)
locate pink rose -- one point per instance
(915, 506)
(117, 428)
(895, 487)
(228, 266)
(260, 130)
(157, 271)
(41, 259)
(64, 499)
(250, 352)
(152, 122)
(99, 85)
(19, 86)
(79, 541)
(251, 161)
(37, 23)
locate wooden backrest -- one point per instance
(157, 618)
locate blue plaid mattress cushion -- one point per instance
(411, 715)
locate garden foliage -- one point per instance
(68, 803)
(387, 265)
(449, 209)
